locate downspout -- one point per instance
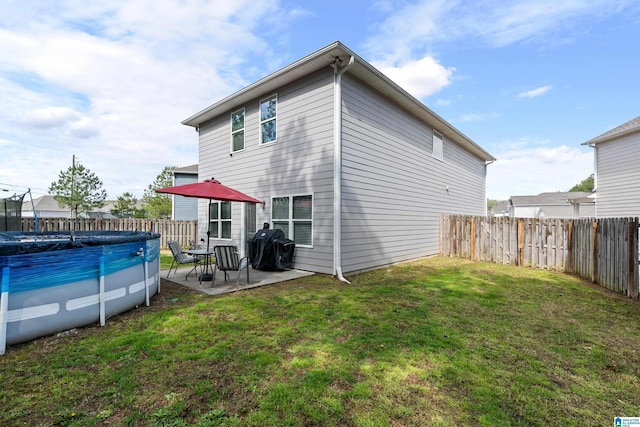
(595, 167)
(339, 70)
(486, 163)
(595, 176)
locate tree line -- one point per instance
(80, 190)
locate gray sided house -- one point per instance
(354, 169)
(552, 205)
(184, 208)
(617, 175)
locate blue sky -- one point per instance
(110, 82)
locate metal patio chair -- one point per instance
(228, 259)
(180, 258)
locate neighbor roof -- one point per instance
(361, 69)
(548, 199)
(624, 129)
(43, 203)
(191, 169)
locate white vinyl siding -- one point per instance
(237, 131)
(618, 177)
(185, 208)
(393, 189)
(301, 162)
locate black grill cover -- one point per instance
(261, 253)
(284, 249)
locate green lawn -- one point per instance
(439, 342)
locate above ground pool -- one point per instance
(53, 282)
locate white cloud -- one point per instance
(409, 28)
(420, 78)
(526, 167)
(49, 117)
(404, 39)
(84, 128)
(535, 92)
(415, 26)
(110, 82)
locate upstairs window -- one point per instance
(268, 117)
(220, 223)
(438, 149)
(294, 216)
(237, 131)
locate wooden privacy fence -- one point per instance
(603, 250)
(182, 231)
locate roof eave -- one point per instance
(286, 75)
(601, 139)
(361, 70)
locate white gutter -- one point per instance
(339, 70)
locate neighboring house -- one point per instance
(617, 175)
(500, 209)
(553, 205)
(103, 212)
(354, 169)
(184, 208)
(47, 207)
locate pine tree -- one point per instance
(159, 205)
(78, 189)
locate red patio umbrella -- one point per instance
(209, 189)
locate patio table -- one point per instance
(206, 254)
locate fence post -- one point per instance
(568, 265)
(632, 248)
(594, 253)
(636, 260)
(520, 240)
(473, 238)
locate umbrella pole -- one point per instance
(208, 224)
(206, 275)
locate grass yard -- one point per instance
(439, 342)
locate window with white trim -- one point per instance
(438, 149)
(268, 118)
(220, 220)
(294, 216)
(237, 131)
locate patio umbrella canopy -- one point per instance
(210, 189)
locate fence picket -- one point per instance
(184, 232)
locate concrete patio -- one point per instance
(257, 278)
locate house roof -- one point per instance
(360, 69)
(631, 126)
(551, 199)
(43, 203)
(191, 169)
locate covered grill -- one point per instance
(271, 250)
